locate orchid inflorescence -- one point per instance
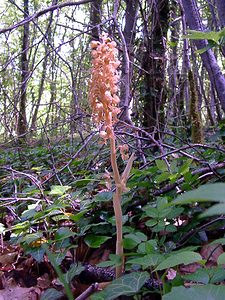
(104, 103)
(104, 85)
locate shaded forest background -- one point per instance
(56, 182)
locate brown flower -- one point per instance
(103, 85)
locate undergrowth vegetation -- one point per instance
(55, 201)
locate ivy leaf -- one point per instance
(217, 209)
(200, 276)
(95, 241)
(161, 164)
(73, 271)
(59, 190)
(149, 260)
(128, 285)
(63, 233)
(214, 192)
(214, 292)
(175, 259)
(51, 294)
(221, 259)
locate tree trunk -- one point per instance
(221, 13)
(48, 34)
(209, 61)
(22, 119)
(95, 18)
(154, 63)
(127, 67)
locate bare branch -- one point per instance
(42, 12)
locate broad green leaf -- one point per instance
(175, 259)
(199, 292)
(148, 247)
(59, 190)
(216, 274)
(95, 241)
(162, 177)
(217, 209)
(36, 253)
(208, 192)
(200, 276)
(74, 270)
(83, 182)
(129, 243)
(115, 260)
(161, 164)
(31, 237)
(151, 212)
(51, 294)
(78, 216)
(185, 167)
(218, 241)
(221, 259)
(149, 260)
(175, 211)
(151, 222)
(199, 35)
(63, 233)
(126, 285)
(104, 196)
(131, 240)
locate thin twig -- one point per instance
(90, 290)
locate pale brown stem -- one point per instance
(119, 229)
(117, 206)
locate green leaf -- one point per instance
(200, 292)
(200, 276)
(83, 182)
(217, 274)
(129, 243)
(148, 247)
(115, 260)
(95, 241)
(73, 271)
(218, 241)
(162, 177)
(131, 240)
(127, 285)
(199, 35)
(221, 259)
(51, 294)
(161, 164)
(103, 196)
(151, 212)
(208, 192)
(78, 216)
(217, 209)
(149, 260)
(59, 190)
(63, 233)
(185, 167)
(151, 223)
(175, 259)
(36, 253)
(31, 237)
